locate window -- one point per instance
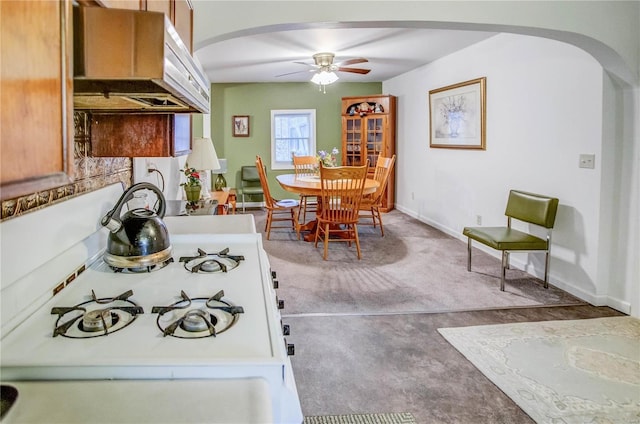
(292, 132)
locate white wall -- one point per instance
(544, 108)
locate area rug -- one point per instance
(575, 371)
(414, 268)
(393, 418)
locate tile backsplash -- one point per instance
(89, 174)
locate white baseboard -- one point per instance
(592, 298)
(249, 205)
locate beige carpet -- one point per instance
(577, 371)
(413, 268)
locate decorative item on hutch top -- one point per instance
(241, 126)
(457, 115)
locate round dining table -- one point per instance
(310, 186)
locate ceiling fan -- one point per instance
(324, 69)
(324, 62)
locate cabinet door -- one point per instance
(375, 140)
(163, 6)
(182, 19)
(140, 135)
(123, 4)
(352, 151)
(36, 89)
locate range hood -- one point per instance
(134, 61)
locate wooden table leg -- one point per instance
(309, 227)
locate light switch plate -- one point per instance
(587, 161)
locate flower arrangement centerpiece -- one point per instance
(328, 160)
(193, 185)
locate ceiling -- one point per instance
(390, 51)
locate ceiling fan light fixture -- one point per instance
(324, 78)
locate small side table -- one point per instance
(232, 200)
(222, 198)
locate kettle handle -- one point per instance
(128, 195)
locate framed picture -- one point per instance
(457, 115)
(241, 126)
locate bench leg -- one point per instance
(469, 254)
(505, 265)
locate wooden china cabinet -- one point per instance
(368, 131)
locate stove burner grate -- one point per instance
(142, 268)
(89, 319)
(198, 317)
(211, 262)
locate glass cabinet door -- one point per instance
(375, 139)
(353, 153)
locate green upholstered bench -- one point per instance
(527, 207)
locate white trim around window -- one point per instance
(293, 131)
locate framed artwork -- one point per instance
(457, 115)
(240, 125)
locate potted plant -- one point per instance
(193, 185)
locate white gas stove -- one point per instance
(169, 324)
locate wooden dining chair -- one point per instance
(285, 210)
(341, 193)
(371, 203)
(306, 166)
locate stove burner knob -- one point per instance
(291, 349)
(273, 275)
(286, 329)
(280, 304)
(275, 284)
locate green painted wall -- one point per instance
(257, 100)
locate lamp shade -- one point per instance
(223, 167)
(324, 78)
(203, 156)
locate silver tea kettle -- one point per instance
(139, 238)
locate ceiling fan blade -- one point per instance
(354, 70)
(352, 61)
(291, 73)
(307, 64)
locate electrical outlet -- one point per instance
(478, 219)
(587, 161)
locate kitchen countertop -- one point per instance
(141, 401)
(210, 224)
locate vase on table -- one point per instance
(192, 192)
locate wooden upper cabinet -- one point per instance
(182, 19)
(140, 135)
(36, 96)
(122, 4)
(180, 13)
(163, 6)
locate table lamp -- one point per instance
(220, 181)
(203, 158)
